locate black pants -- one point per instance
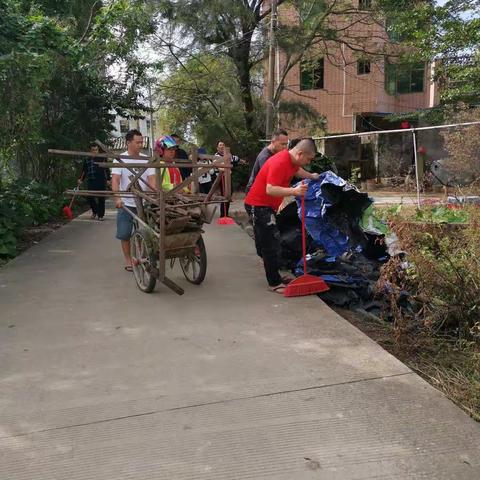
(97, 204)
(205, 187)
(224, 207)
(249, 210)
(267, 242)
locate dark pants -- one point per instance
(249, 210)
(97, 204)
(205, 187)
(224, 207)
(267, 242)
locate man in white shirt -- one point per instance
(120, 182)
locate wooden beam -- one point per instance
(160, 165)
(196, 185)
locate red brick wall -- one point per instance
(346, 93)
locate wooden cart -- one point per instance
(167, 224)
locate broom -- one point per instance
(305, 284)
(67, 210)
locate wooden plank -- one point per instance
(144, 196)
(75, 153)
(151, 160)
(141, 222)
(98, 193)
(214, 187)
(161, 227)
(173, 286)
(187, 181)
(161, 165)
(227, 174)
(196, 185)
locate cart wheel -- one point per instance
(194, 266)
(144, 261)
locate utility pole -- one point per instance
(271, 71)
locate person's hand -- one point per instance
(118, 203)
(300, 190)
(315, 176)
(79, 182)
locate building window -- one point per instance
(404, 78)
(364, 4)
(312, 74)
(123, 125)
(363, 67)
(148, 125)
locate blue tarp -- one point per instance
(328, 200)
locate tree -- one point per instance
(200, 98)
(62, 52)
(463, 145)
(236, 29)
(448, 34)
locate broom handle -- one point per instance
(304, 240)
(73, 198)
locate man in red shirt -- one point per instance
(271, 185)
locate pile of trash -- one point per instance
(346, 244)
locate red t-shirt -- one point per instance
(278, 171)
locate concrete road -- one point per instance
(100, 381)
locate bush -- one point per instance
(462, 145)
(24, 204)
(240, 176)
(442, 273)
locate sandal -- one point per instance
(128, 268)
(287, 279)
(278, 289)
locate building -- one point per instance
(122, 125)
(355, 93)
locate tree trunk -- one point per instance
(241, 59)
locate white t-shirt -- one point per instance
(207, 176)
(125, 174)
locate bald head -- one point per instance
(306, 145)
(303, 152)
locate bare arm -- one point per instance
(301, 173)
(116, 188)
(152, 182)
(275, 191)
